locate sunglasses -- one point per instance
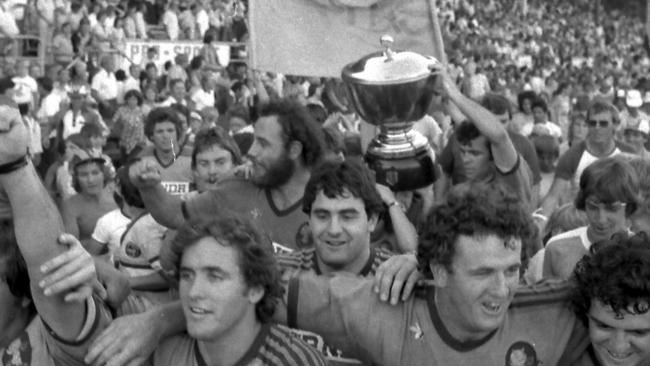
(594, 123)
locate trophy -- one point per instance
(392, 90)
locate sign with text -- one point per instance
(136, 50)
(319, 37)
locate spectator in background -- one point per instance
(203, 97)
(130, 22)
(202, 18)
(525, 115)
(170, 20)
(81, 211)
(8, 25)
(209, 52)
(62, 48)
(130, 119)
(186, 21)
(104, 87)
(636, 135)
(82, 39)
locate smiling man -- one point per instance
(343, 207)
(474, 314)
(609, 195)
(612, 298)
(602, 121)
(228, 286)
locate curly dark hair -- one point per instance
(527, 94)
(256, 260)
(466, 132)
(298, 125)
(160, 115)
(473, 209)
(332, 177)
(610, 180)
(616, 273)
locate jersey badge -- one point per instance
(521, 354)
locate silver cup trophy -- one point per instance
(392, 90)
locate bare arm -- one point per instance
(504, 152)
(37, 241)
(69, 218)
(554, 195)
(164, 207)
(131, 339)
(405, 233)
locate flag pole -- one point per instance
(438, 45)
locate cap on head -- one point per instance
(642, 126)
(633, 99)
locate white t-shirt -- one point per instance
(170, 20)
(109, 229)
(8, 24)
(202, 22)
(105, 84)
(552, 128)
(202, 99)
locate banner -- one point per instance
(319, 37)
(136, 49)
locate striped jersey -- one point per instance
(539, 327)
(273, 346)
(302, 261)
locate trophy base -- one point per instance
(403, 173)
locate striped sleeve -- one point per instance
(284, 349)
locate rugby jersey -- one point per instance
(539, 327)
(177, 176)
(303, 261)
(273, 346)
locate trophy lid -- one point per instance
(390, 67)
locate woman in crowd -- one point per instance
(130, 119)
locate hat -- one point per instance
(83, 156)
(642, 126)
(633, 99)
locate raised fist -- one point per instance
(144, 174)
(13, 135)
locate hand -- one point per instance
(129, 340)
(244, 171)
(385, 193)
(72, 273)
(13, 137)
(115, 283)
(144, 174)
(397, 275)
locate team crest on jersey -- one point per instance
(132, 250)
(521, 354)
(18, 353)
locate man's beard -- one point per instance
(277, 173)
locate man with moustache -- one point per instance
(287, 144)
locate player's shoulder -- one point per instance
(544, 293)
(299, 260)
(174, 350)
(287, 349)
